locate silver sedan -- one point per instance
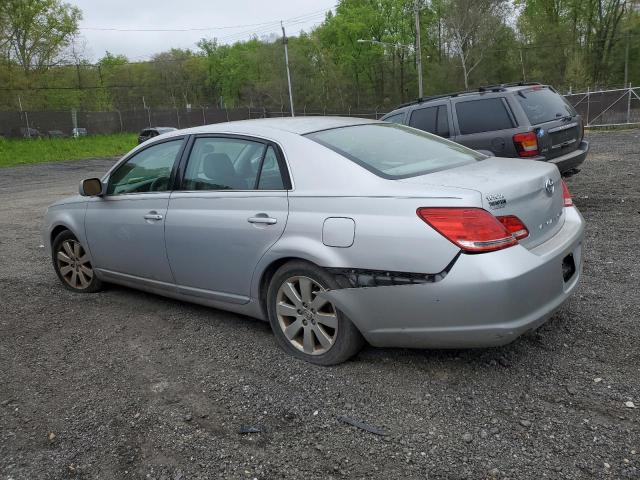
(335, 230)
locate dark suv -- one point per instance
(528, 120)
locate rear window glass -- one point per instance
(543, 105)
(395, 151)
(484, 115)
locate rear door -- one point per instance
(556, 123)
(231, 207)
(485, 123)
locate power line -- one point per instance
(201, 29)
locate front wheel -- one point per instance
(305, 324)
(72, 265)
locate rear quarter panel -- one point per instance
(389, 235)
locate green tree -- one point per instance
(38, 31)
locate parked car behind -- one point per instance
(79, 132)
(148, 133)
(527, 120)
(56, 134)
(23, 132)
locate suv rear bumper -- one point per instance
(570, 160)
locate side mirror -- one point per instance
(91, 187)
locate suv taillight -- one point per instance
(581, 129)
(566, 195)
(474, 230)
(526, 144)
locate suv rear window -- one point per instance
(395, 151)
(543, 105)
(485, 115)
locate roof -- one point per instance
(299, 125)
(503, 87)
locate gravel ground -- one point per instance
(124, 384)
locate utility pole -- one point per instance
(416, 11)
(286, 61)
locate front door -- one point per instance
(231, 208)
(125, 227)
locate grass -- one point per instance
(25, 151)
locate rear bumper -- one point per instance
(570, 160)
(485, 300)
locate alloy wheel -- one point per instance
(73, 264)
(309, 322)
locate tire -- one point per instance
(71, 263)
(309, 323)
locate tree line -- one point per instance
(361, 56)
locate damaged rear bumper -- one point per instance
(484, 300)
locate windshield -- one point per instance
(543, 105)
(395, 151)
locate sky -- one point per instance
(106, 24)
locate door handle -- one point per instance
(153, 216)
(262, 219)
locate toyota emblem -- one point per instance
(549, 186)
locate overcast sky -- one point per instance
(261, 17)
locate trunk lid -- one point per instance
(511, 187)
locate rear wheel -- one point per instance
(72, 265)
(305, 324)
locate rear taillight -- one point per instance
(472, 229)
(566, 195)
(514, 226)
(581, 129)
(526, 144)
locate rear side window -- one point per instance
(395, 151)
(431, 119)
(485, 115)
(217, 163)
(543, 105)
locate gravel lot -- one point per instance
(124, 384)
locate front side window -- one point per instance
(485, 115)
(147, 171)
(424, 119)
(232, 164)
(395, 151)
(431, 119)
(397, 118)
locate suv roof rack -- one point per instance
(487, 88)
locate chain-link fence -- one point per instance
(602, 108)
(619, 106)
(48, 123)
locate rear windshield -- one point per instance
(395, 151)
(543, 105)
